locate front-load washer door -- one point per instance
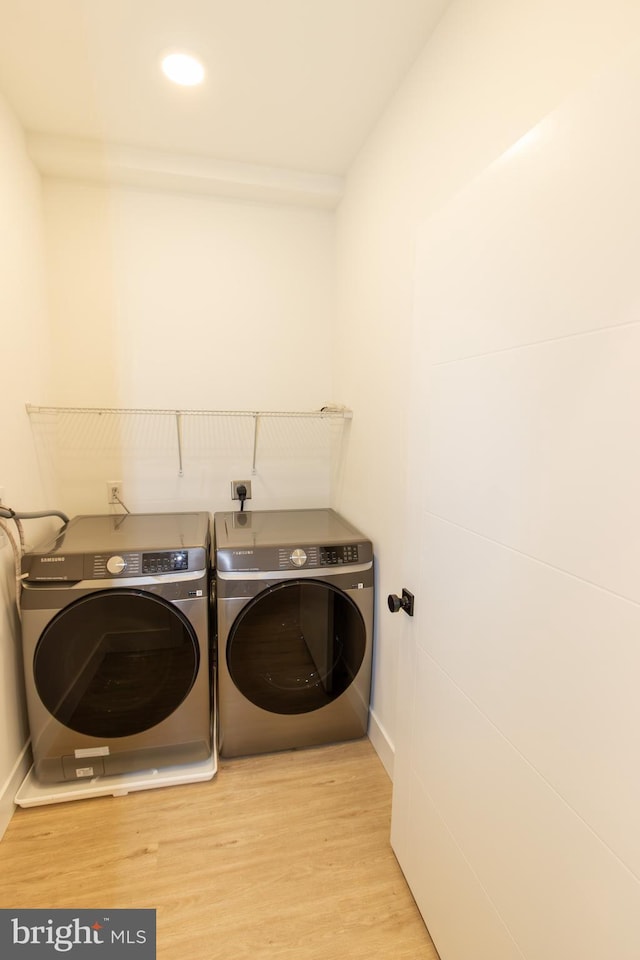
(115, 663)
(296, 647)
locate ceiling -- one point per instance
(293, 86)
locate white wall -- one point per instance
(163, 300)
(24, 351)
(491, 72)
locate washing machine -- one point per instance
(115, 624)
(294, 596)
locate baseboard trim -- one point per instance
(381, 743)
(11, 786)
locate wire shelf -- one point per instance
(329, 412)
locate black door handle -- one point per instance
(405, 602)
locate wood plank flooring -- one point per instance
(280, 857)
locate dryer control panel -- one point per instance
(293, 557)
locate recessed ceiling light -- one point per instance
(183, 69)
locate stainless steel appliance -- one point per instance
(116, 645)
(294, 594)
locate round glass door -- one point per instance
(115, 663)
(296, 647)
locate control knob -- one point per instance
(298, 558)
(116, 564)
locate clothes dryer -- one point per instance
(294, 595)
(115, 617)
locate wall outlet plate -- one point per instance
(240, 483)
(114, 491)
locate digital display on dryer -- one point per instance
(329, 556)
(167, 561)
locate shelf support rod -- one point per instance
(256, 421)
(179, 432)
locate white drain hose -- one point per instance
(18, 549)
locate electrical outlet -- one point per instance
(240, 483)
(114, 491)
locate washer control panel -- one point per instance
(118, 547)
(104, 565)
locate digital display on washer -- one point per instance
(339, 554)
(166, 561)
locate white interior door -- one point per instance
(517, 782)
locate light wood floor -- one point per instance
(280, 857)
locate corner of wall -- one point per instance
(11, 785)
(381, 743)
